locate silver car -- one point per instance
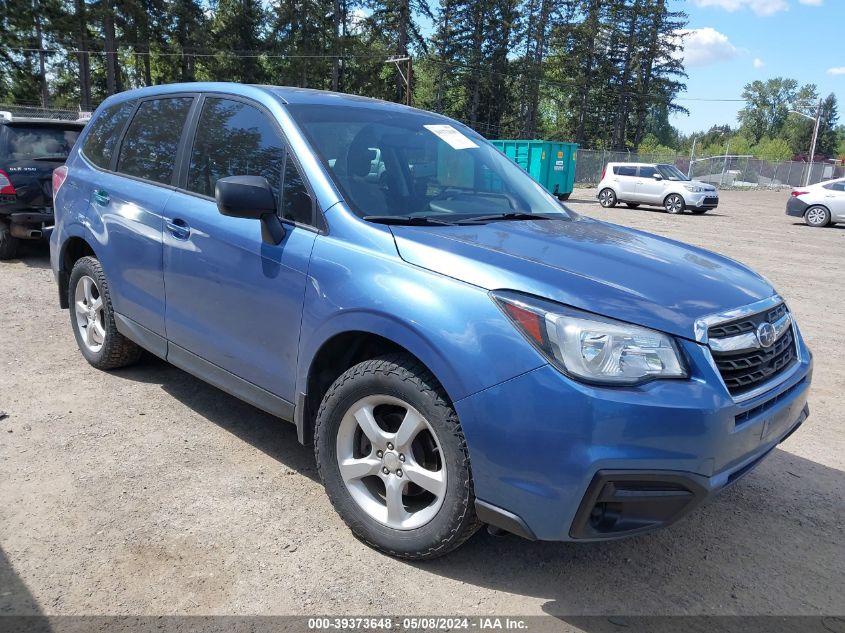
(655, 185)
(820, 205)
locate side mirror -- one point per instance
(250, 197)
(657, 177)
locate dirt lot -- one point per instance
(145, 491)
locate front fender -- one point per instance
(453, 327)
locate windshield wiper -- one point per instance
(513, 215)
(408, 220)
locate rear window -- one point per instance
(39, 142)
(101, 139)
(625, 170)
(148, 149)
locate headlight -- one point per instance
(693, 188)
(590, 347)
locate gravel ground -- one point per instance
(145, 491)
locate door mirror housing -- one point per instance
(657, 177)
(252, 198)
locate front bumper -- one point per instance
(702, 200)
(566, 461)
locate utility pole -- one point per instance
(691, 157)
(815, 140)
(817, 120)
(406, 78)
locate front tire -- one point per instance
(674, 204)
(607, 198)
(92, 318)
(392, 456)
(817, 217)
(8, 243)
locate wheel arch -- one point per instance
(74, 248)
(362, 339)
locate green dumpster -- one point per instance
(551, 163)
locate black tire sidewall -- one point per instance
(613, 199)
(8, 243)
(457, 505)
(666, 204)
(820, 225)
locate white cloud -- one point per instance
(760, 7)
(758, 63)
(701, 47)
(836, 70)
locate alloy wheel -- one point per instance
(674, 204)
(391, 462)
(606, 198)
(816, 216)
(90, 315)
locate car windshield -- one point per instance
(413, 165)
(40, 142)
(670, 172)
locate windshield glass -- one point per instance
(670, 172)
(414, 164)
(39, 141)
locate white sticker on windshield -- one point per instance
(451, 136)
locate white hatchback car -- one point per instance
(820, 205)
(655, 185)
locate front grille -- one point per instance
(745, 369)
(711, 200)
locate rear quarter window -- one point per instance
(100, 142)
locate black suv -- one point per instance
(30, 149)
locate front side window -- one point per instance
(100, 142)
(414, 164)
(234, 139)
(149, 147)
(296, 201)
(647, 172)
(670, 172)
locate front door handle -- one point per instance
(101, 197)
(178, 228)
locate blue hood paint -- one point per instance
(595, 266)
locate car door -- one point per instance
(234, 301)
(833, 197)
(649, 189)
(129, 201)
(626, 179)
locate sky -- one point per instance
(733, 42)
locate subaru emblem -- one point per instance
(766, 334)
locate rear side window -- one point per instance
(647, 172)
(149, 148)
(625, 170)
(234, 139)
(836, 186)
(101, 140)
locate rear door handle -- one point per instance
(101, 197)
(178, 228)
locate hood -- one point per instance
(610, 270)
(706, 186)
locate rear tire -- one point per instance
(817, 217)
(607, 198)
(8, 244)
(92, 318)
(674, 204)
(392, 456)
(632, 205)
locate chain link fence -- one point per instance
(724, 171)
(39, 113)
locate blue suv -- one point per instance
(458, 346)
